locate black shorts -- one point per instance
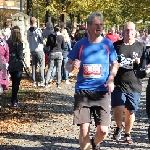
(98, 108)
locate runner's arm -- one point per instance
(71, 65)
(113, 71)
(114, 66)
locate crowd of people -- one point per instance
(51, 43)
(110, 71)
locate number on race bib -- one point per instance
(92, 70)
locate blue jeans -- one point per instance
(16, 78)
(65, 73)
(38, 57)
(53, 73)
(55, 59)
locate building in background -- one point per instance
(7, 9)
(10, 4)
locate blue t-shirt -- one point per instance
(95, 63)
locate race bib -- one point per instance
(92, 70)
(127, 63)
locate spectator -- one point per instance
(1, 64)
(72, 39)
(46, 33)
(16, 53)
(6, 31)
(56, 43)
(80, 33)
(140, 38)
(73, 31)
(116, 32)
(1, 89)
(146, 39)
(4, 54)
(35, 39)
(121, 34)
(112, 35)
(67, 48)
(94, 81)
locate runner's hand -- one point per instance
(137, 60)
(147, 69)
(110, 84)
(76, 64)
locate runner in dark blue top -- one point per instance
(96, 59)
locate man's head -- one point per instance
(141, 32)
(49, 25)
(129, 31)
(112, 30)
(95, 24)
(33, 21)
(57, 29)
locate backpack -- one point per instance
(81, 33)
(52, 41)
(15, 63)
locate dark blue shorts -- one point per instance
(129, 100)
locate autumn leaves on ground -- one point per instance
(44, 120)
(30, 99)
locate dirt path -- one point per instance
(44, 121)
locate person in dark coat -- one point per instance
(56, 44)
(16, 52)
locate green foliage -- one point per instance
(115, 11)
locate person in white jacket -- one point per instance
(147, 39)
(141, 35)
(6, 31)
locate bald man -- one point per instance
(128, 85)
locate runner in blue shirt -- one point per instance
(96, 59)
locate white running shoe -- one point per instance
(67, 82)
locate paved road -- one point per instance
(46, 123)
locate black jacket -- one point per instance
(56, 43)
(15, 55)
